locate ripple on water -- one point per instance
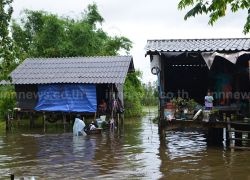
(138, 153)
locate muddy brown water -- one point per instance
(135, 152)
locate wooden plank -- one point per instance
(241, 139)
(239, 123)
(240, 147)
(191, 123)
(240, 131)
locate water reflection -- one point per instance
(84, 147)
(185, 144)
(135, 152)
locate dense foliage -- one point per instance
(216, 9)
(7, 55)
(150, 97)
(133, 94)
(40, 34)
(7, 99)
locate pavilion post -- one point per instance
(64, 120)
(32, 120)
(44, 122)
(248, 83)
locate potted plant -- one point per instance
(180, 105)
(191, 105)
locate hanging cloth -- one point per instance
(232, 57)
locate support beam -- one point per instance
(18, 118)
(7, 124)
(32, 121)
(9, 120)
(229, 133)
(248, 83)
(44, 122)
(64, 120)
(237, 138)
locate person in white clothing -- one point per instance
(78, 127)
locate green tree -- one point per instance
(216, 9)
(133, 94)
(7, 57)
(7, 99)
(150, 97)
(41, 34)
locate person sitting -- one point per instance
(103, 106)
(92, 126)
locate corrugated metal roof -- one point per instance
(190, 45)
(103, 69)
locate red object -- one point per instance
(169, 105)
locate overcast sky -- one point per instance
(140, 20)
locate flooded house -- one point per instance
(70, 85)
(187, 69)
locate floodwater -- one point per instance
(134, 152)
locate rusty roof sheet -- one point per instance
(204, 45)
(103, 69)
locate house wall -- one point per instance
(26, 96)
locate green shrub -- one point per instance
(133, 94)
(7, 100)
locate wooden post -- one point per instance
(226, 140)
(162, 133)
(31, 120)
(121, 117)
(7, 124)
(95, 117)
(44, 122)
(118, 124)
(112, 111)
(229, 133)
(248, 137)
(64, 120)
(238, 138)
(12, 177)
(18, 119)
(69, 121)
(9, 120)
(248, 83)
(118, 119)
(112, 124)
(224, 117)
